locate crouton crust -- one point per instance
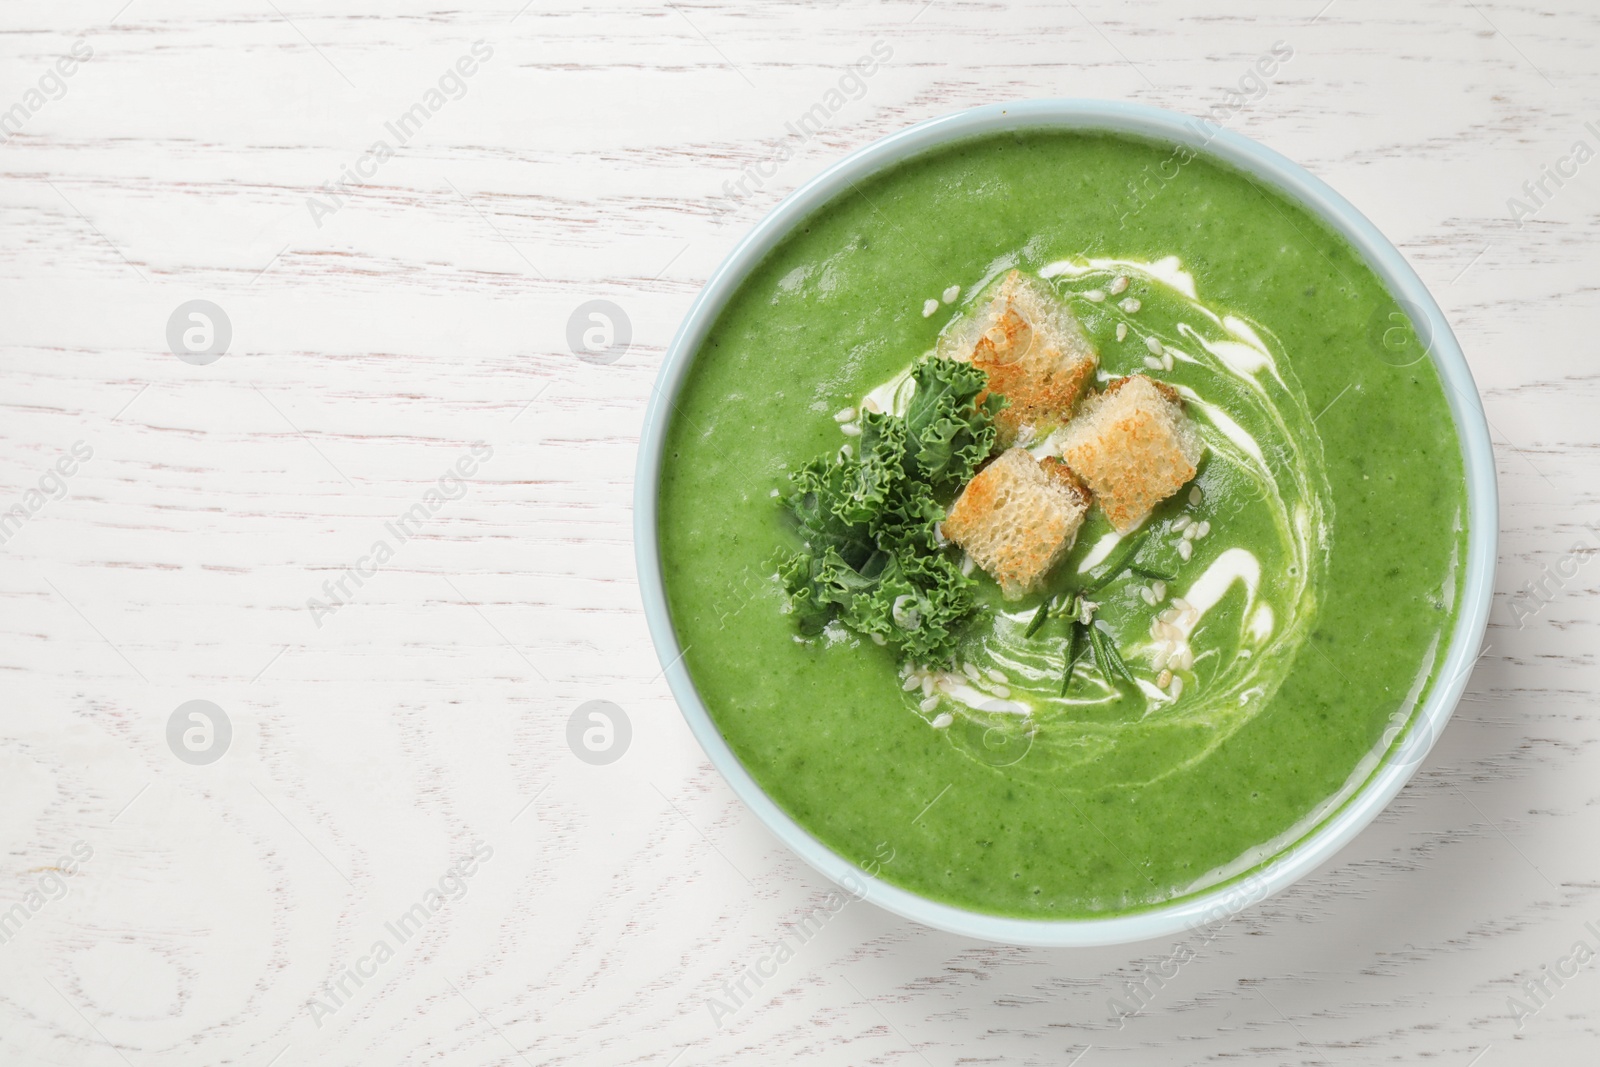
(1017, 518)
(1133, 447)
(1032, 349)
(1115, 386)
(1064, 476)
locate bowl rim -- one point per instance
(1335, 828)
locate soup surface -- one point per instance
(1313, 606)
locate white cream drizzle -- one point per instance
(1102, 548)
(1222, 421)
(1247, 334)
(1261, 622)
(1168, 271)
(1207, 591)
(893, 396)
(1240, 357)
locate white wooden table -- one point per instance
(378, 737)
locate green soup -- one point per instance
(1332, 495)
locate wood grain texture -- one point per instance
(374, 344)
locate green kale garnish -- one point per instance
(873, 559)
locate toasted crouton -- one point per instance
(1033, 350)
(1017, 518)
(1133, 447)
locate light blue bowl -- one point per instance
(1318, 844)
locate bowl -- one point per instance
(1344, 819)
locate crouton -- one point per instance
(1017, 518)
(1032, 348)
(1133, 447)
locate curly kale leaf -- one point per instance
(872, 559)
(947, 434)
(917, 604)
(827, 493)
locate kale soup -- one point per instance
(1059, 523)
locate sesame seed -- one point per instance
(1159, 660)
(1177, 686)
(1180, 522)
(929, 703)
(879, 639)
(1131, 304)
(1154, 345)
(1147, 596)
(1182, 604)
(927, 685)
(1203, 529)
(1190, 532)
(845, 415)
(909, 684)
(1122, 331)
(970, 671)
(1094, 295)
(943, 720)
(1164, 679)
(870, 404)
(929, 307)
(1186, 658)
(1170, 615)
(1159, 589)
(1195, 496)
(850, 429)
(1153, 363)
(950, 294)
(1002, 692)
(774, 493)
(1119, 285)
(1166, 361)
(997, 676)
(1185, 550)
